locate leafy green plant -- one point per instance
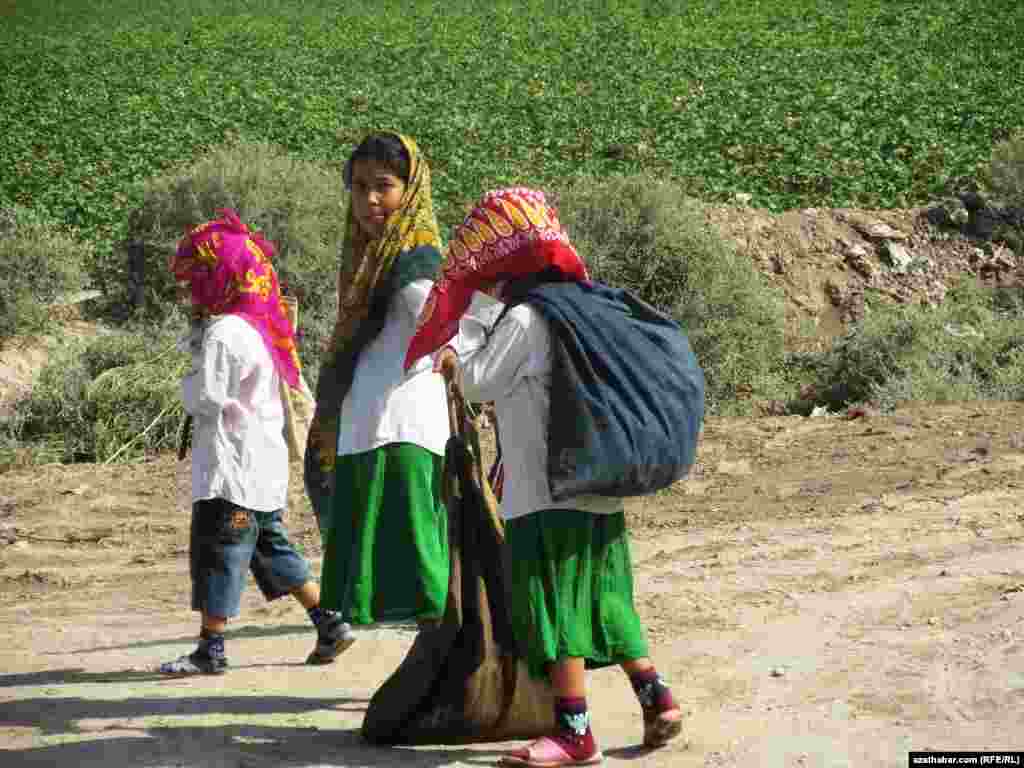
(645, 235)
(40, 263)
(726, 96)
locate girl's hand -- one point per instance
(446, 362)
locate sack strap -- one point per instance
(456, 405)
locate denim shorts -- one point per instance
(227, 540)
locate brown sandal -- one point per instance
(661, 729)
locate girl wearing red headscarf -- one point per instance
(242, 346)
(571, 574)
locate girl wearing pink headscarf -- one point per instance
(570, 567)
(243, 346)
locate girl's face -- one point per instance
(376, 193)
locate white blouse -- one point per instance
(387, 404)
(233, 394)
(514, 370)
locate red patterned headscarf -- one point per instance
(229, 272)
(511, 233)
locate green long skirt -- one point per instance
(571, 589)
(386, 544)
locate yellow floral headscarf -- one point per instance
(365, 262)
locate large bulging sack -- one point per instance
(462, 680)
(627, 393)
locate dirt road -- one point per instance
(822, 592)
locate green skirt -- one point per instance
(571, 589)
(386, 544)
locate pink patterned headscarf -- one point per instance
(229, 272)
(511, 233)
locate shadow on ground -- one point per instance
(239, 746)
(241, 633)
(91, 733)
(79, 675)
(251, 631)
(55, 715)
(95, 733)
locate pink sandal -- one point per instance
(545, 752)
(660, 730)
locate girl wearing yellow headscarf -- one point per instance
(376, 445)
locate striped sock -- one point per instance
(655, 697)
(211, 644)
(574, 734)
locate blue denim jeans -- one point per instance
(227, 540)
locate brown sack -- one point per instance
(298, 402)
(462, 680)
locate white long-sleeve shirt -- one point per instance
(386, 404)
(513, 369)
(233, 394)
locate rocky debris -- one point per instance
(963, 455)
(848, 300)
(994, 261)
(37, 578)
(808, 393)
(773, 408)
(873, 229)
(8, 534)
(834, 292)
(972, 215)
(898, 256)
(856, 256)
(984, 219)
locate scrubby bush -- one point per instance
(971, 347)
(296, 203)
(1005, 173)
(39, 263)
(111, 396)
(645, 235)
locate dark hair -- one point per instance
(515, 290)
(384, 148)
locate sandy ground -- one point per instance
(821, 592)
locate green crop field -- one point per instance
(797, 102)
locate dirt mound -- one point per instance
(827, 260)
